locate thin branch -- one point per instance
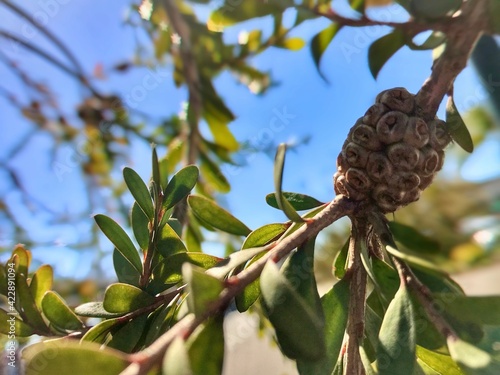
(462, 36)
(357, 291)
(143, 361)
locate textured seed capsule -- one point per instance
(391, 154)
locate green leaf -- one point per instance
(456, 126)
(321, 41)
(494, 15)
(169, 271)
(433, 9)
(340, 262)
(248, 296)
(11, 325)
(203, 289)
(100, 332)
(436, 39)
(58, 312)
(120, 239)
(437, 362)
(25, 304)
(222, 135)
(125, 272)
(140, 226)
(298, 270)
(41, 282)
(219, 218)
(413, 239)
(176, 360)
(124, 298)
(382, 49)
(335, 308)
(263, 235)
(293, 44)
(298, 201)
(471, 359)
(396, 351)
(206, 348)
(94, 310)
(298, 328)
(169, 242)
(139, 191)
(213, 174)
(221, 269)
(127, 337)
(180, 186)
(283, 204)
(231, 12)
(73, 357)
(22, 259)
(482, 310)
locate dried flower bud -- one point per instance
(439, 136)
(403, 155)
(429, 161)
(365, 136)
(374, 113)
(397, 99)
(404, 181)
(358, 179)
(379, 168)
(417, 132)
(343, 187)
(355, 155)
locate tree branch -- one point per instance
(462, 36)
(143, 361)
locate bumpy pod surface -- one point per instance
(391, 155)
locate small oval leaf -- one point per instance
(139, 191)
(203, 289)
(219, 218)
(456, 126)
(180, 186)
(263, 235)
(40, 283)
(169, 242)
(94, 310)
(234, 260)
(120, 239)
(298, 201)
(125, 272)
(321, 41)
(298, 329)
(140, 226)
(58, 313)
(124, 298)
(206, 347)
(413, 239)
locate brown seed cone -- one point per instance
(391, 154)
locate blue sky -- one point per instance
(302, 105)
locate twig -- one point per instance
(143, 361)
(462, 35)
(192, 77)
(357, 290)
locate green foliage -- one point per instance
(457, 128)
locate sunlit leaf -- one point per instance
(298, 328)
(180, 186)
(340, 262)
(293, 44)
(437, 362)
(203, 289)
(169, 242)
(124, 298)
(230, 13)
(471, 359)
(263, 235)
(22, 263)
(213, 175)
(335, 308)
(120, 239)
(298, 201)
(222, 135)
(41, 282)
(73, 357)
(99, 332)
(58, 312)
(139, 191)
(382, 49)
(25, 304)
(456, 126)
(283, 204)
(219, 218)
(396, 350)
